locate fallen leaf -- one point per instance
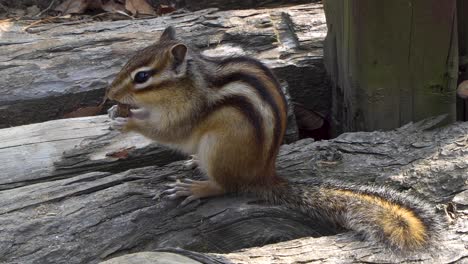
(6, 24)
(94, 4)
(32, 10)
(311, 124)
(114, 7)
(137, 7)
(73, 6)
(165, 9)
(16, 12)
(307, 119)
(121, 153)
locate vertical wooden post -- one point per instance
(462, 17)
(391, 62)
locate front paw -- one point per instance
(192, 163)
(119, 123)
(113, 112)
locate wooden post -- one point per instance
(391, 62)
(462, 18)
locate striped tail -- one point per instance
(400, 221)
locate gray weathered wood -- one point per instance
(53, 69)
(64, 148)
(342, 248)
(86, 218)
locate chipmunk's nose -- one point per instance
(117, 88)
(113, 90)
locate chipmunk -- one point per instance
(231, 113)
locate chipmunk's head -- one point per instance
(156, 77)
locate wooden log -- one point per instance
(54, 69)
(342, 248)
(64, 148)
(391, 62)
(98, 215)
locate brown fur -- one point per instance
(206, 188)
(403, 228)
(229, 163)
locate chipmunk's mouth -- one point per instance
(139, 113)
(132, 111)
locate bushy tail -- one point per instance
(401, 221)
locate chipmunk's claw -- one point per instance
(192, 163)
(180, 189)
(112, 112)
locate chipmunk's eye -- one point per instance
(141, 76)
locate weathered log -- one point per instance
(64, 148)
(86, 218)
(53, 69)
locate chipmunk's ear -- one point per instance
(168, 34)
(179, 51)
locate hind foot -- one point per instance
(192, 190)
